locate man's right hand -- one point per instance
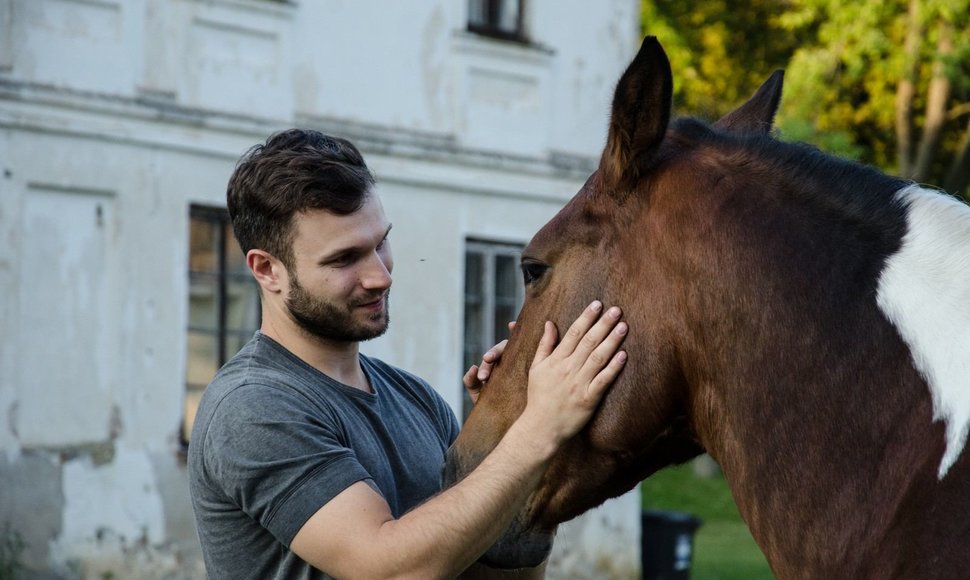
(568, 380)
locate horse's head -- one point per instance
(621, 240)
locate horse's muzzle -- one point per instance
(518, 548)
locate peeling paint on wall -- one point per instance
(109, 507)
(32, 502)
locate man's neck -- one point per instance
(338, 360)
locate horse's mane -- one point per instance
(841, 188)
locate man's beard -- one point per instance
(334, 322)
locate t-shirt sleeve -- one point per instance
(450, 421)
(277, 460)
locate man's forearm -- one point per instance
(446, 534)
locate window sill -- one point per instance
(498, 34)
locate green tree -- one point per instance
(720, 50)
(883, 81)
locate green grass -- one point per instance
(723, 547)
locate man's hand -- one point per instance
(477, 375)
(566, 383)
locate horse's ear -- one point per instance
(639, 118)
(757, 115)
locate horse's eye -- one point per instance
(532, 271)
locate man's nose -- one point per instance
(377, 274)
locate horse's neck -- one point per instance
(827, 431)
(806, 457)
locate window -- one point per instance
(493, 297)
(497, 18)
(223, 303)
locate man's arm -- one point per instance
(354, 535)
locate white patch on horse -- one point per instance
(924, 290)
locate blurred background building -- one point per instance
(123, 290)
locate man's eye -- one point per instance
(342, 260)
(532, 271)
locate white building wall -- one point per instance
(117, 115)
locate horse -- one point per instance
(802, 318)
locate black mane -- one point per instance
(838, 187)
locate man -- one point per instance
(309, 459)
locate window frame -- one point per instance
(217, 218)
(491, 333)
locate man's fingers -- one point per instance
(604, 352)
(602, 381)
(494, 353)
(490, 359)
(594, 337)
(579, 328)
(546, 344)
(472, 385)
(566, 387)
(470, 380)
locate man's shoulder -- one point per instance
(260, 362)
(255, 381)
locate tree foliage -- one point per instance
(883, 81)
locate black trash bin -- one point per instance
(667, 544)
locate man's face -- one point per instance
(341, 277)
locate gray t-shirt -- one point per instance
(275, 439)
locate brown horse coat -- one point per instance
(802, 318)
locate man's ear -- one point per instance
(269, 272)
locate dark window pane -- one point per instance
(473, 274)
(192, 397)
(508, 16)
(203, 357)
(235, 259)
(242, 307)
(503, 315)
(477, 13)
(203, 246)
(204, 302)
(506, 277)
(237, 340)
(498, 18)
(474, 325)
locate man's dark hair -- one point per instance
(293, 171)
